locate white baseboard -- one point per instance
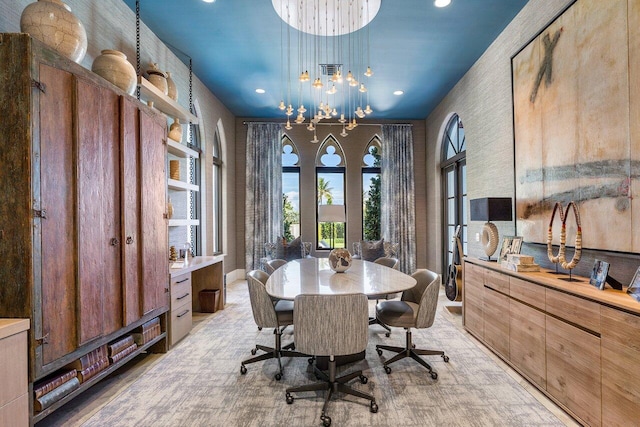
(238, 274)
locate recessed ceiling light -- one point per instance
(208, 1)
(398, 92)
(260, 90)
(442, 3)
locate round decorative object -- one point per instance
(158, 78)
(174, 169)
(489, 238)
(563, 235)
(172, 90)
(340, 260)
(175, 130)
(52, 22)
(113, 66)
(570, 265)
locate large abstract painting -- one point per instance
(576, 95)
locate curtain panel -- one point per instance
(263, 205)
(398, 219)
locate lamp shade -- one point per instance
(491, 209)
(331, 213)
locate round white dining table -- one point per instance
(314, 276)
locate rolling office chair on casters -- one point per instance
(268, 313)
(332, 325)
(416, 309)
(391, 263)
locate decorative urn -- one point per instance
(340, 260)
(52, 22)
(113, 66)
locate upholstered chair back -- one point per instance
(331, 325)
(388, 262)
(274, 264)
(425, 295)
(264, 313)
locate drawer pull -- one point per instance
(183, 296)
(183, 280)
(183, 313)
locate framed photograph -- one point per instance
(634, 286)
(599, 274)
(510, 245)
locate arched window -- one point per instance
(454, 186)
(371, 190)
(217, 194)
(290, 189)
(330, 190)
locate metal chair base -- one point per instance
(414, 353)
(277, 352)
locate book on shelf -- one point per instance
(148, 325)
(147, 335)
(522, 268)
(123, 353)
(92, 370)
(119, 345)
(53, 382)
(43, 402)
(520, 259)
(90, 358)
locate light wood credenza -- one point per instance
(14, 400)
(580, 346)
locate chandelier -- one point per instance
(325, 60)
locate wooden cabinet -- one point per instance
(82, 225)
(473, 292)
(578, 345)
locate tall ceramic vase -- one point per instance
(113, 66)
(52, 22)
(158, 78)
(172, 90)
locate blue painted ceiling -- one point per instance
(414, 46)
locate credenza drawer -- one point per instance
(16, 412)
(180, 291)
(181, 322)
(527, 292)
(497, 281)
(576, 310)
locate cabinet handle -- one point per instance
(129, 240)
(183, 313)
(183, 296)
(114, 241)
(43, 340)
(183, 280)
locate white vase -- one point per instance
(52, 22)
(175, 130)
(172, 90)
(113, 66)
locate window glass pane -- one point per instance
(463, 178)
(451, 183)
(330, 191)
(291, 204)
(451, 211)
(289, 155)
(371, 206)
(464, 239)
(464, 210)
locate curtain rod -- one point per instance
(329, 124)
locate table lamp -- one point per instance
(490, 209)
(332, 214)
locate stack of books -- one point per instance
(520, 263)
(91, 363)
(54, 388)
(121, 348)
(147, 331)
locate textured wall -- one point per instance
(110, 24)
(482, 99)
(353, 146)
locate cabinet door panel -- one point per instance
(57, 184)
(573, 369)
(130, 156)
(99, 292)
(496, 321)
(155, 259)
(620, 368)
(527, 341)
(472, 306)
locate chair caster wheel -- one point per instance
(254, 351)
(278, 377)
(363, 379)
(289, 398)
(413, 346)
(293, 347)
(310, 360)
(243, 369)
(373, 408)
(326, 420)
(387, 334)
(445, 358)
(387, 370)
(379, 351)
(434, 375)
(259, 328)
